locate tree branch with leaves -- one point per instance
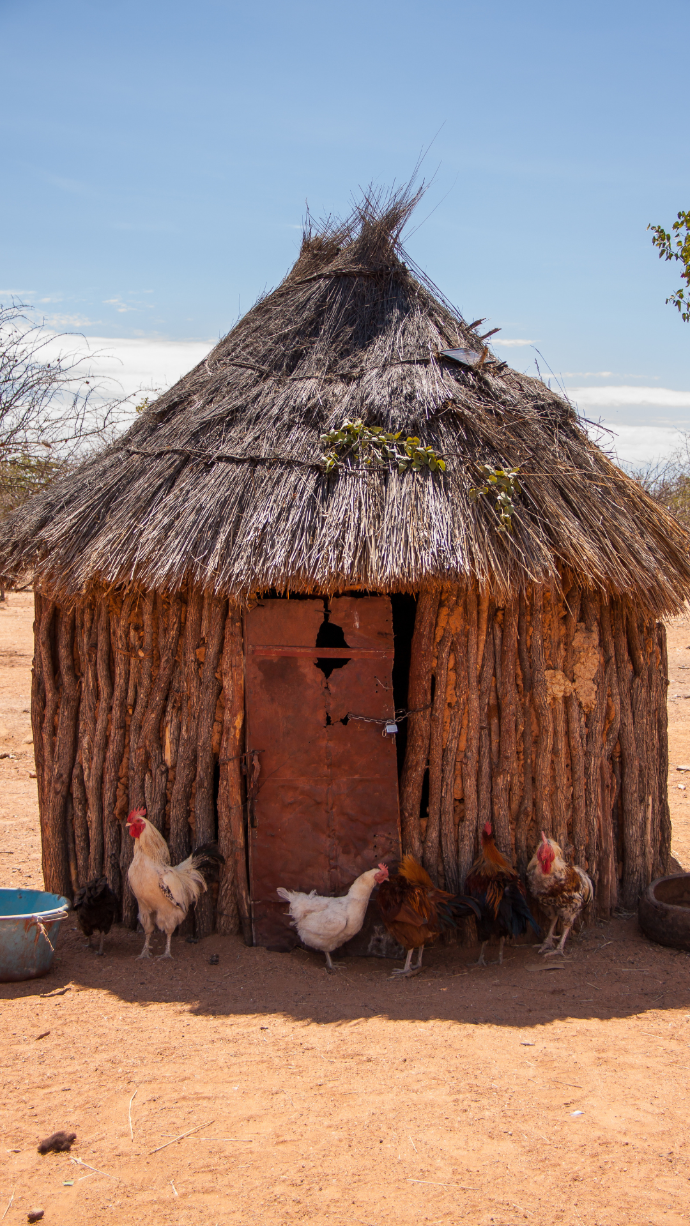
(676, 246)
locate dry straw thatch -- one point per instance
(221, 483)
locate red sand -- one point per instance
(511, 1094)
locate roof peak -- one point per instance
(368, 237)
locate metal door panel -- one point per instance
(326, 804)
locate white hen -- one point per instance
(327, 923)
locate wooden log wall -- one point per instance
(544, 712)
(138, 700)
(548, 713)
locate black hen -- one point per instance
(96, 907)
(502, 898)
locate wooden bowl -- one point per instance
(664, 911)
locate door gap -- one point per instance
(330, 635)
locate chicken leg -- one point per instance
(331, 966)
(147, 924)
(167, 953)
(549, 943)
(560, 948)
(408, 970)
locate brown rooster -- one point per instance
(416, 912)
(563, 892)
(502, 899)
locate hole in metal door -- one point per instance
(330, 635)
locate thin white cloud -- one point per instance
(638, 445)
(128, 365)
(615, 397)
(120, 306)
(70, 321)
(587, 374)
(511, 343)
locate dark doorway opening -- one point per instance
(404, 608)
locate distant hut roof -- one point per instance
(221, 481)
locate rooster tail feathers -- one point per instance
(462, 906)
(515, 913)
(207, 859)
(184, 883)
(588, 888)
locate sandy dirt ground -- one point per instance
(492, 1097)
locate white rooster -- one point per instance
(165, 891)
(327, 923)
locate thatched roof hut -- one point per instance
(523, 639)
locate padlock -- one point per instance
(391, 729)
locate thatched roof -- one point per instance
(221, 481)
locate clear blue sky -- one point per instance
(157, 157)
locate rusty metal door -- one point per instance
(323, 803)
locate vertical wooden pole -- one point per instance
(136, 767)
(204, 814)
(438, 711)
(608, 878)
(38, 703)
(662, 866)
(419, 724)
(525, 815)
(112, 832)
(633, 819)
(576, 733)
(71, 845)
(185, 770)
(52, 699)
(594, 746)
(560, 791)
(94, 781)
(83, 636)
(486, 678)
(130, 787)
(150, 739)
(233, 896)
(543, 711)
(449, 837)
(505, 778)
(641, 694)
(81, 824)
(56, 867)
(468, 827)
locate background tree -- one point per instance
(676, 246)
(52, 411)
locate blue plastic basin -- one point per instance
(29, 927)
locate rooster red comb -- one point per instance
(135, 813)
(544, 838)
(384, 868)
(487, 828)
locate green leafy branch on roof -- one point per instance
(503, 486)
(373, 445)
